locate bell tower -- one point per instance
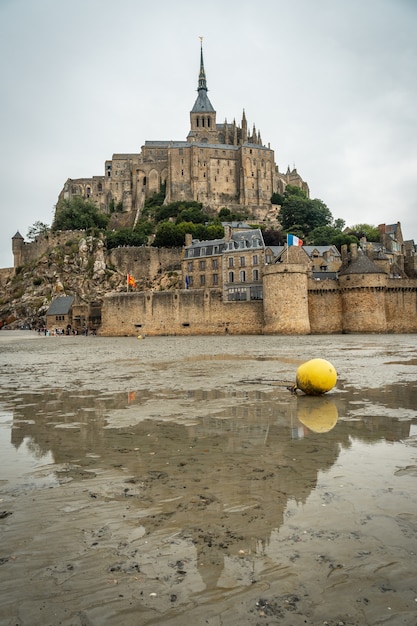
(202, 115)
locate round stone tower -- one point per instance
(285, 294)
(362, 286)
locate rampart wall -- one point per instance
(401, 305)
(30, 252)
(325, 307)
(203, 312)
(179, 312)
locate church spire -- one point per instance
(203, 115)
(202, 82)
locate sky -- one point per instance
(330, 84)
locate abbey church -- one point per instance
(219, 165)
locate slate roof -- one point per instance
(60, 306)
(362, 265)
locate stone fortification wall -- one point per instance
(363, 303)
(145, 263)
(30, 252)
(178, 312)
(325, 307)
(369, 306)
(401, 305)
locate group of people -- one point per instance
(66, 331)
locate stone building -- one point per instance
(219, 164)
(236, 263)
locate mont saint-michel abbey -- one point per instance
(219, 165)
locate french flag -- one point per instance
(292, 240)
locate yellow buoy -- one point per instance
(316, 377)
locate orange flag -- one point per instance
(131, 281)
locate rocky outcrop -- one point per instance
(81, 267)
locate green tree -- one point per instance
(79, 214)
(168, 235)
(38, 228)
(329, 235)
(300, 215)
(125, 237)
(365, 230)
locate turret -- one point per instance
(17, 248)
(285, 287)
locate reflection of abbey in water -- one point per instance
(219, 507)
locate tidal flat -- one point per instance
(176, 480)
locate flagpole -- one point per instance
(127, 283)
(287, 249)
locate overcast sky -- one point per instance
(330, 84)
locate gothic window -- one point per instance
(208, 122)
(197, 121)
(88, 192)
(202, 122)
(144, 181)
(99, 187)
(182, 172)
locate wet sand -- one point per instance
(177, 481)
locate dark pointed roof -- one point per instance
(202, 104)
(60, 306)
(362, 265)
(17, 236)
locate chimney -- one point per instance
(227, 232)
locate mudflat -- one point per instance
(176, 480)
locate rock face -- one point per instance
(82, 267)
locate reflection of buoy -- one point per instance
(317, 414)
(315, 377)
